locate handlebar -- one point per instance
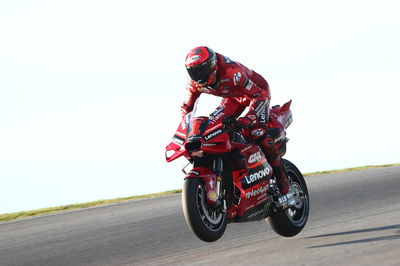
(235, 130)
(232, 123)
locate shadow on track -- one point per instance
(393, 237)
(375, 229)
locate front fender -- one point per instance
(210, 180)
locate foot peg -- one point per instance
(292, 199)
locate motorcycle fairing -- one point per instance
(175, 148)
(280, 116)
(210, 180)
(216, 144)
(251, 200)
(252, 184)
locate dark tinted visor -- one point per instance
(200, 73)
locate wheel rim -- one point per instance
(298, 214)
(211, 217)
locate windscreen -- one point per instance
(205, 105)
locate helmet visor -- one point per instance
(200, 73)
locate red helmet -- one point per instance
(201, 64)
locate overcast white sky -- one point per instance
(90, 90)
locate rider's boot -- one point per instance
(275, 160)
(282, 178)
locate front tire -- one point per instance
(289, 222)
(207, 222)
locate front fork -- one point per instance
(218, 169)
(212, 180)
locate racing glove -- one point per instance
(247, 121)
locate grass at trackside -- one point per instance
(25, 214)
(350, 169)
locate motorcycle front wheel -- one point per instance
(207, 222)
(289, 222)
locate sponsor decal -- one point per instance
(209, 144)
(219, 110)
(236, 78)
(259, 107)
(257, 176)
(254, 214)
(225, 80)
(194, 172)
(256, 157)
(261, 211)
(262, 197)
(245, 149)
(255, 192)
(249, 85)
(281, 137)
(211, 184)
(266, 208)
(212, 195)
(218, 116)
(213, 134)
(246, 81)
(178, 140)
(194, 58)
(288, 121)
(258, 132)
(263, 117)
(283, 199)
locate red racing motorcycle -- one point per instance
(231, 180)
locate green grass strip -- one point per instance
(25, 214)
(350, 169)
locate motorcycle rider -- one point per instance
(241, 87)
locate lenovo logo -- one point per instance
(213, 134)
(257, 176)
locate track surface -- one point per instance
(354, 220)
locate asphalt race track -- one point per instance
(354, 220)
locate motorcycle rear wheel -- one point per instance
(289, 222)
(204, 220)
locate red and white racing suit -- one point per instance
(242, 87)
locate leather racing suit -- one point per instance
(242, 87)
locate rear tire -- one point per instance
(207, 222)
(291, 221)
